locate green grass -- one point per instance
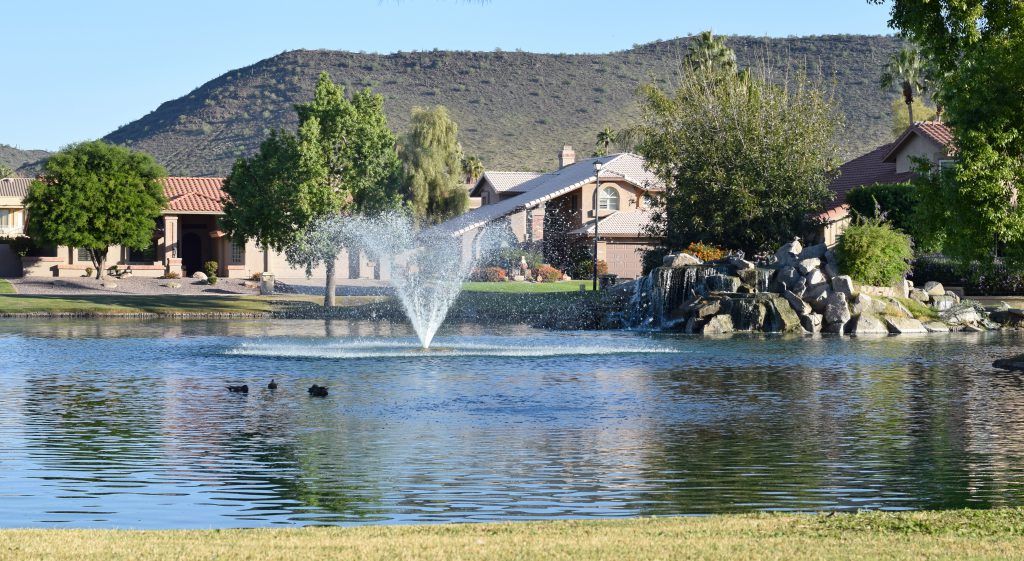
(527, 287)
(6, 287)
(131, 304)
(959, 535)
(920, 311)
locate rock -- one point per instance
(811, 322)
(934, 288)
(718, 325)
(1008, 317)
(919, 295)
(814, 252)
(109, 285)
(798, 305)
(519, 278)
(863, 303)
(942, 303)
(748, 314)
(830, 271)
(200, 276)
(953, 295)
(844, 284)
(817, 297)
(707, 308)
(805, 266)
(781, 317)
(740, 264)
(936, 327)
(173, 285)
(721, 283)
(1015, 363)
(792, 248)
(867, 323)
(800, 287)
(904, 325)
(693, 325)
(677, 260)
(566, 277)
(748, 277)
(896, 308)
(971, 328)
(830, 257)
(837, 312)
(961, 314)
(815, 277)
(788, 276)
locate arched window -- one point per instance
(609, 199)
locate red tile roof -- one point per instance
(868, 169)
(937, 132)
(194, 194)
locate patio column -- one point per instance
(171, 236)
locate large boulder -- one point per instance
(814, 252)
(864, 303)
(706, 308)
(837, 312)
(961, 314)
(1008, 317)
(781, 317)
(817, 297)
(830, 257)
(814, 277)
(678, 260)
(200, 276)
(798, 305)
(805, 266)
(844, 284)
(830, 270)
(787, 276)
(867, 323)
(942, 303)
(791, 249)
(718, 325)
(811, 322)
(936, 327)
(934, 288)
(919, 295)
(721, 283)
(740, 264)
(904, 325)
(748, 314)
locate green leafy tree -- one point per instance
(473, 168)
(906, 70)
(95, 195)
(432, 158)
(900, 116)
(6, 171)
(977, 46)
(746, 161)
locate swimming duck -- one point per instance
(244, 388)
(272, 385)
(318, 391)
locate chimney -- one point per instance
(566, 157)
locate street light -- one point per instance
(597, 189)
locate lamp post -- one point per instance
(597, 218)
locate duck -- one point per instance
(318, 391)
(244, 388)
(272, 385)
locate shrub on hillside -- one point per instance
(873, 252)
(547, 273)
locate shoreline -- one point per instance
(951, 534)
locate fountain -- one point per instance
(427, 268)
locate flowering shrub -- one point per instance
(547, 273)
(705, 252)
(489, 274)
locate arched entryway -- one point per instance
(191, 253)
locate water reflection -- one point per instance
(128, 424)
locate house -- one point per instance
(561, 208)
(889, 163)
(185, 237)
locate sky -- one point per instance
(77, 70)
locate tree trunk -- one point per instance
(99, 257)
(331, 286)
(908, 98)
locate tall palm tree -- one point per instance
(707, 51)
(604, 139)
(473, 167)
(906, 69)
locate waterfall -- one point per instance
(663, 290)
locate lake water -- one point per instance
(129, 424)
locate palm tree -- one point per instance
(709, 52)
(604, 139)
(473, 167)
(906, 69)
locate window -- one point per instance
(237, 254)
(147, 255)
(84, 255)
(6, 217)
(609, 199)
(946, 165)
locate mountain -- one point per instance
(25, 162)
(514, 109)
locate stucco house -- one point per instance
(889, 163)
(559, 208)
(186, 236)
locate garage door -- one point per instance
(625, 259)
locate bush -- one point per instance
(211, 279)
(20, 245)
(257, 277)
(171, 275)
(872, 252)
(893, 202)
(653, 258)
(489, 274)
(210, 268)
(705, 252)
(547, 273)
(509, 258)
(584, 269)
(995, 279)
(89, 271)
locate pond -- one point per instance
(130, 424)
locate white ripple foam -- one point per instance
(403, 349)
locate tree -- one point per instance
(706, 52)
(900, 120)
(604, 139)
(323, 240)
(906, 69)
(95, 195)
(431, 157)
(977, 46)
(746, 161)
(473, 167)
(6, 171)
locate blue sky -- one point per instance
(76, 70)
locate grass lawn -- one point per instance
(6, 287)
(959, 535)
(526, 287)
(130, 304)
